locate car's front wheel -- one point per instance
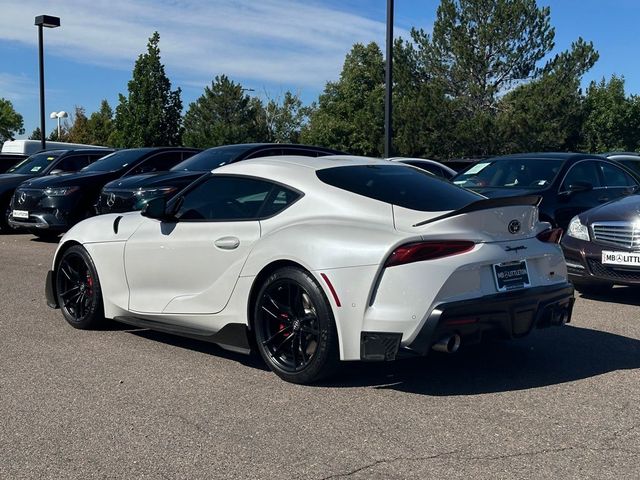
(294, 327)
(78, 289)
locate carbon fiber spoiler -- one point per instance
(488, 204)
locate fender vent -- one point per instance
(116, 224)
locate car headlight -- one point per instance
(153, 192)
(578, 230)
(60, 192)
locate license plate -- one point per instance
(627, 259)
(20, 214)
(511, 275)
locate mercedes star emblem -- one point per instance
(111, 199)
(22, 198)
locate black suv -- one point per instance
(50, 162)
(569, 183)
(51, 205)
(132, 193)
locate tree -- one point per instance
(11, 122)
(479, 48)
(151, 113)
(100, 125)
(349, 113)
(611, 119)
(36, 134)
(79, 130)
(284, 118)
(547, 114)
(222, 115)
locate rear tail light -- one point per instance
(553, 235)
(420, 251)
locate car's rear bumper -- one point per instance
(508, 315)
(584, 264)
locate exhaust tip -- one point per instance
(448, 344)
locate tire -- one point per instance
(593, 288)
(295, 331)
(78, 289)
(4, 215)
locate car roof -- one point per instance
(548, 156)
(301, 162)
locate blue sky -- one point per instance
(267, 45)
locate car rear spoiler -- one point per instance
(488, 204)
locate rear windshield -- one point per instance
(35, 163)
(116, 161)
(399, 185)
(528, 173)
(211, 159)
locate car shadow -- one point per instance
(624, 295)
(547, 357)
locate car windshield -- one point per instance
(211, 159)
(115, 161)
(399, 185)
(529, 173)
(35, 163)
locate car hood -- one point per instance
(9, 181)
(69, 179)
(626, 209)
(156, 179)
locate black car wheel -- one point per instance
(5, 211)
(78, 289)
(294, 327)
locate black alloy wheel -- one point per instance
(294, 327)
(78, 289)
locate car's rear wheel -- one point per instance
(78, 289)
(294, 327)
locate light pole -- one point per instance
(49, 22)
(388, 85)
(58, 116)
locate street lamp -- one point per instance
(388, 85)
(58, 115)
(49, 22)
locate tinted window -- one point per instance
(632, 164)
(267, 152)
(73, 163)
(582, 172)
(158, 163)
(35, 163)
(529, 173)
(116, 161)
(616, 177)
(212, 158)
(233, 198)
(399, 185)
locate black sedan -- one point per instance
(51, 205)
(132, 193)
(602, 246)
(569, 183)
(40, 164)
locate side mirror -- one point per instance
(577, 187)
(156, 208)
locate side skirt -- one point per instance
(233, 336)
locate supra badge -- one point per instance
(514, 226)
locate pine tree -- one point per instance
(151, 113)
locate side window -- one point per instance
(73, 163)
(585, 172)
(632, 164)
(268, 152)
(225, 198)
(616, 177)
(158, 163)
(94, 157)
(279, 199)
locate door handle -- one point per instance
(227, 243)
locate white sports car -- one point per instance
(316, 260)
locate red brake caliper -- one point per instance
(89, 284)
(282, 325)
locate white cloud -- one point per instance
(16, 87)
(296, 43)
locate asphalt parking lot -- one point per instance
(123, 403)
